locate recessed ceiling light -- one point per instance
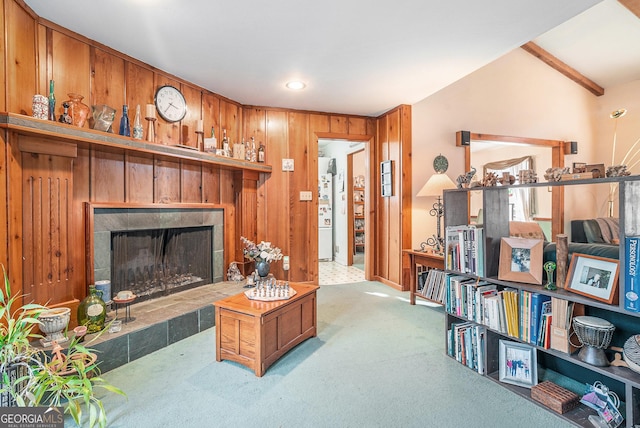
(296, 85)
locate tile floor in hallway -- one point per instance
(335, 273)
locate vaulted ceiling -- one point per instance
(356, 56)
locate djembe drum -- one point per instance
(595, 335)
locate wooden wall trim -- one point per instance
(43, 147)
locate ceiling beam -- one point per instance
(563, 68)
(632, 5)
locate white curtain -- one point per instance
(525, 206)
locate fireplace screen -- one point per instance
(159, 262)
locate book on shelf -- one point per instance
(433, 285)
(464, 247)
(537, 301)
(545, 323)
(631, 274)
(466, 343)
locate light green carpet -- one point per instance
(377, 362)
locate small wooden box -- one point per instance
(555, 397)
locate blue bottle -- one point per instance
(125, 128)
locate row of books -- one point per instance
(521, 314)
(466, 343)
(465, 249)
(431, 284)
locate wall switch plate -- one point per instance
(285, 262)
(306, 195)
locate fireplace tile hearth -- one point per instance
(161, 322)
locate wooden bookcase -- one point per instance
(358, 219)
(562, 368)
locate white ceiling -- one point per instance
(356, 56)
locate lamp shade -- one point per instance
(436, 184)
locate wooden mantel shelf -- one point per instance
(90, 138)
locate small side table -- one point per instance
(429, 260)
(127, 308)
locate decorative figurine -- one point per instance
(233, 273)
(464, 180)
(549, 267)
(555, 174)
(617, 171)
(490, 179)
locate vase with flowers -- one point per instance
(262, 254)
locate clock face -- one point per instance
(440, 164)
(170, 103)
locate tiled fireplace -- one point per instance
(157, 251)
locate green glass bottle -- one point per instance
(92, 311)
(52, 102)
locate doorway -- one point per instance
(336, 211)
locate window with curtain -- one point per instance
(522, 201)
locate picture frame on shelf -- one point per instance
(597, 169)
(518, 364)
(521, 260)
(579, 167)
(593, 276)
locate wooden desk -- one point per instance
(256, 334)
(430, 260)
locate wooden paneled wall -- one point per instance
(393, 225)
(38, 50)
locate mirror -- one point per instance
(542, 204)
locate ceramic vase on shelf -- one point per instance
(78, 110)
(263, 268)
(92, 311)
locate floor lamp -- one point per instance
(434, 187)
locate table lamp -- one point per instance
(434, 187)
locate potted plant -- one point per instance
(17, 356)
(69, 379)
(66, 379)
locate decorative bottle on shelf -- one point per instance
(254, 153)
(225, 143)
(125, 128)
(261, 157)
(92, 311)
(52, 102)
(137, 125)
(247, 150)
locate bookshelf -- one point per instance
(562, 368)
(358, 219)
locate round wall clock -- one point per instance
(440, 164)
(170, 103)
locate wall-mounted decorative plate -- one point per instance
(440, 164)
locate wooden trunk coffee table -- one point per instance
(256, 334)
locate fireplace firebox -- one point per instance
(158, 262)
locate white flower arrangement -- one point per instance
(260, 252)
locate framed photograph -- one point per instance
(579, 167)
(597, 170)
(595, 277)
(518, 364)
(521, 260)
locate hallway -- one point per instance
(332, 273)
